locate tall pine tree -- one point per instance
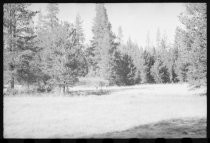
(195, 21)
(19, 42)
(103, 44)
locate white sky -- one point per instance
(136, 19)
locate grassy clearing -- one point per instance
(55, 116)
(176, 128)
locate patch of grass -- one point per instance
(176, 128)
(101, 116)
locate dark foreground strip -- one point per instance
(176, 128)
(169, 131)
(158, 140)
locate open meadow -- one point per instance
(120, 109)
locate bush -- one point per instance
(40, 89)
(45, 88)
(11, 92)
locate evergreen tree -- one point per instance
(171, 63)
(182, 62)
(103, 44)
(92, 63)
(120, 35)
(19, 41)
(46, 36)
(195, 21)
(133, 50)
(124, 69)
(155, 71)
(158, 39)
(162, 68)
(62, 56)
(160, 72)
(79, 30)
(51, 17)
(148, 61)
(148, 42)
(80, 38)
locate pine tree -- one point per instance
(155, 70)
(195, 21)
(160, 72)
(158, 39)
(51, 17)
(148, 42)
(103, 43)
(92, 63)
(62, 58)
(124, 69)
(79, 30)
(182, 62)
(162, 68)
(133, 50)
(47, 35)
(148, 62)
(165, 56)
(191, 62)
(26, 69)
(19, 40)
(171, 63)
(80, 38)
(120, 35)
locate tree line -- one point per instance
(53, 54)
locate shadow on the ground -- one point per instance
(104, 91)
(176, 128)
(84, 92)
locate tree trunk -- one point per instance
(67, 89)
(12, 82)
(63, 89)
(12, 32)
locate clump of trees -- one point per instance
(108, 58)
(184, 61)
(62, 57)
(191, 42)
(124, 70)
(102, 46)
(52, 54)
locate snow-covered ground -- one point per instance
(73, 117)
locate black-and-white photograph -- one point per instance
(104, 70)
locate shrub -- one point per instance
(11, 92)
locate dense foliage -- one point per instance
(19, 44)
(53, 54)
(192, 44)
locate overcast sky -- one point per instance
(136, 19)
